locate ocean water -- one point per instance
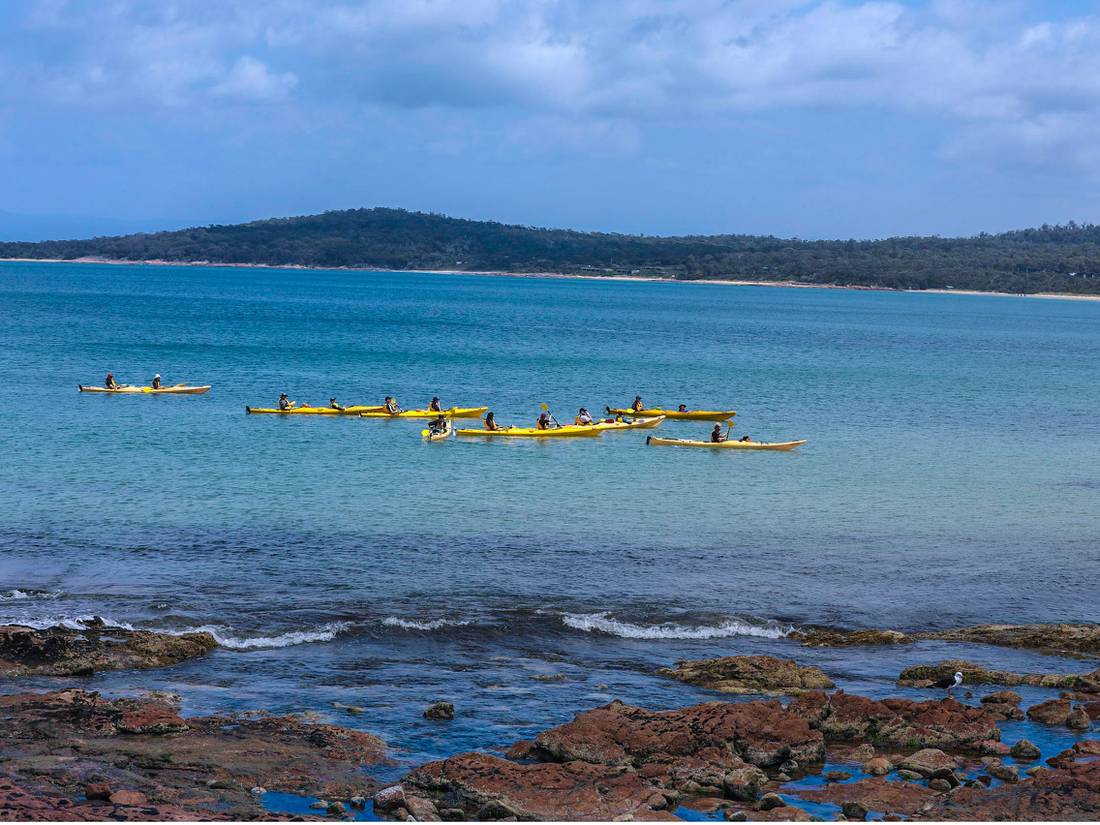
(952, 476)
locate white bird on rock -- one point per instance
(950, 683)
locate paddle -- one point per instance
(546, 409)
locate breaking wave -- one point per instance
(16, 595)
(222, 635)
(603, 623)
(433, 624)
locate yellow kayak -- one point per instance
(636, 424)
(725, 445)
(448, 430)
(453, 412)
(570, 431)
(353, 410)
(178, 389)
(690, 415)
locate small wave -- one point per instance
(17, 595)
(222, 635)
(433, 624)
(603, 623)
(71, 622)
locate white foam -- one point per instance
(24, 595)
(413, 624)
(603, 623)
(222, 635)
(70, 622)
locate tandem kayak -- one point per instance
(725, 445)
(178, 389)
(569, 431)
(453, 412)
(636, 424)
(690, 415)
(353, 410)
(447, 432)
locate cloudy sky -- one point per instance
(812, 119)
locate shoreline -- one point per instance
(1066, 296)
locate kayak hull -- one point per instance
(570, 431)
(636, 424)
(779, 446)
(690, 415)
(453, 412)
(179, 389)
(353, 410)
(447, 432)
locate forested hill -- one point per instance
(1047, 259)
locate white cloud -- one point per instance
(250, 79)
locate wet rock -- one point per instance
(1002, 697)
(1025, 751)
(762, 733)
(1078, 719)
(838, 776)
(975, 674)
(1050, 712)
(336, 808)
(498, 789)
(423, 809)
(833, 637)
(769, 801)
(1062, 638)
(878, 766)
(82, 748)
(992, 747)
(97, 790)
(876, 794)
(62, 651)
(941, 785)
(784, 813)
(1006, 773)
(439, 712)
(1070, 793)
(863, 752)
(389, 798)
(901, 723)
(928, 762)
(910, 776)
(854, 810)
(750, 674)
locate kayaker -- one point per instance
(491, 421)
(434, 406)
(285, 403)
(109, 382)
(583, 418)
(544, 420)
(332, 403)
(637, 406)
(438, 426)
(156, 381)
(716, 435)
(745, 438)
(682, 408)
(390, 405)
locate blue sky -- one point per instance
(809, 119)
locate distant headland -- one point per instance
(1063, 259)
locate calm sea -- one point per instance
(952, 476)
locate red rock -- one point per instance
(875, 794)
(928, 762)
(489, 786)
(1002, 697)
(155, 719)
(1050, 712)
(1078, 719)
(129, 798)
(97, 790)
(784, 813)
(1069, 793)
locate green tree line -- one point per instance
(1063, 258)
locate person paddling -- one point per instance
(583, 418)
(109, 381)
(716, 435)
(491, 422)
(333, 405)
(434, 406)
(682, 408)
(285, 403)
(637, 406)
(544, 420)
(745, 437)
(390, 405)
(156, 381)
(438, 426)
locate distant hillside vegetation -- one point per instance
(1047, 259)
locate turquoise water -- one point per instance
(952, 475)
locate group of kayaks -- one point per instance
(443, 425)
